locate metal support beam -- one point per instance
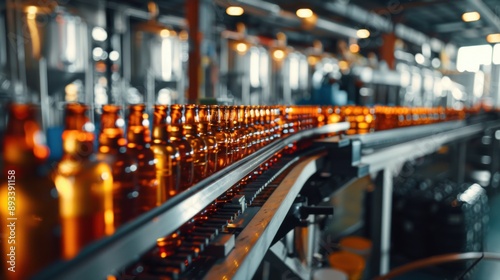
(195, 38)
(387, 49)
(458, 162)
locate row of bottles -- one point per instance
(89, 193)
(394, 117)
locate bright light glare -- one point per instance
(472, 57)
(304, 13)
(114, 55)
(354, 48)
(99, 34)
(493, 38)
(279, 54)
(234, 11)
(241, 48)
(97, 52)
(471, 16)
(31, 12)
(457, 93)
(419, 58)
(343, 65)
(164, 33)
(363, 33)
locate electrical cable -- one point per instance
(440, 259)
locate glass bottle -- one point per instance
(242, 130)
(113, 150)
(174, 130)
(257, 122)
(189, 130)
(226, 127)
(208, 136)
(252, 137)
(29, 201)
(139, 147)
(235, 131)
(167, 157)
(85, 185)
(268, 125)
(277, 122)
(216, 126)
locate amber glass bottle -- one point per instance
(139, 148)
(205, 132)
(174, 129)
(277, 122)
(239, 118)
(226, 127)
(29, 201)
(252, 134)
(268, 125)
(167, 157)
(113, 150)
(198, 144)
(234, 130)
(85, 185)
(216, 126)
(258, 124)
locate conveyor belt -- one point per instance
(111, 255)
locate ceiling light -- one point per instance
(279, 54)
(493, 38)
(343, 65)
(471, 16)
(354, 48)
(304, 13)
(241, 48)
(99, 34)
(114, 55)
(313, 60)
(31, 11)
(165, 33)
(234, 11)
(363, 33)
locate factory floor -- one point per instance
(489, 269)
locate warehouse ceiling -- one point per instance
(441, 19)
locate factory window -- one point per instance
(472, 57)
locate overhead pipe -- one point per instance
(358, 14)
(486, 13)
(263, 8)
(146, 15)
(378, 22)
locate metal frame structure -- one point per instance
(384, 152)
(127, 244)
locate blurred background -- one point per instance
(420, 53)
(410, 53)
